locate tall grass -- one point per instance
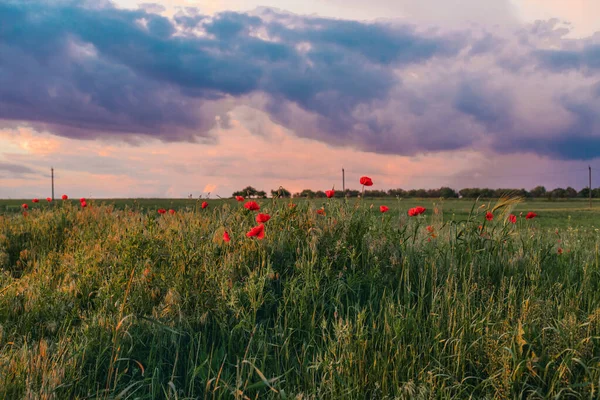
(104, 303)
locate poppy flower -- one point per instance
(239, 198)
(260, 218)
(430, 229)
(226, 237)
(204, 204)
(489, 216)
(252, 206)
(25, 206)
(366, 181)
(35, 200)
(65, 197)
(330, 193)
(25, 213)
(48, 199)
(82, 200)
(413, 212)
(292, 205)
(83, 204)
(531, 215)
(258, 231)
(161, 211)
(171, 211)
(560, 250)
(384, 209)
(321, 211)
(512, 218)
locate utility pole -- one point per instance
(590, 176)
(343, 181)
(52, 176)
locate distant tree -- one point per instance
(320, 194)
(538, 191)
(248, 191)
(281, 192)
(306, 193)
(397, 192)
(447, 193)
(571, 193)
(585, 193)
(261, 194)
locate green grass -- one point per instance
(115, 301)
(556, 213)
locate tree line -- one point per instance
(445, 192)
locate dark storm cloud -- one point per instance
(14, 170)
(86, 72)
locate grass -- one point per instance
(116, 302)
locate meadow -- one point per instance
(115, 300)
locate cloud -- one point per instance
(386, 87)
(15, 170)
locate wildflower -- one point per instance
(321, 211)
(489, 216)
(239, 198)
(25, 206)
(226, 237)
(258, 231)
(330, 193)
(48, 199)
(204, 204)
(260, 218)
(82, 200)
(384, 209)
(65, 197)
(252, 206)
(171, 211)
(83, 204)
(161, 211)
(35, 201)
(366, 181)
(25, 213)
(560, 250)
(413, 212)
(292, 205)
(430, 229)
(480, 227)
(530, 215)
(512, 218)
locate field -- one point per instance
(118, 301)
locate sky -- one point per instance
(129, 98)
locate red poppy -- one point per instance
(25, 206)
(429, 229)
(512, 218)
(252, 206)
(48, 199)
(531, 215)
(366, 181)
(330, 193)
(489, 216)
(171, 211)
(384, 209)
(258, 231)
(560, 250)
(204, 204)
(239, 198)
(321, 211)
(226, 237)
(83, 204)
(65, 197)
(161, 211)
(25, 213)
(292, 205)
(35, 201)
(82, 200)
(413, 212)
(260, 218)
